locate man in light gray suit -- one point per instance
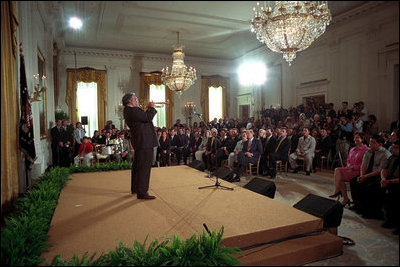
(306, 150)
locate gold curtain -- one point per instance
(87, 75)
(9, 106)
(214, 81)
(146, 79)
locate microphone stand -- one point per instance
(217, 183)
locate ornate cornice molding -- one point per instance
(358, 11)
(165, 59)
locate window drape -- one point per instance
(9, 106)
(87, 75)
(146, 79)
(214, 81)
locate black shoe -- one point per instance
(388, 225)
(273, 175)
(295, 170)
(336, 194)
(348, 202)
(146, 197)
(308, 173)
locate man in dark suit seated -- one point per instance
(322, 148)
(281, 152)
(195, 142)
(228, 146)
(209, 157)
(175, 145)
(250, 153)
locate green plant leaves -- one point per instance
(24, 236)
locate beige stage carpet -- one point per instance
(96, 210)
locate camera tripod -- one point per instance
(217, 184)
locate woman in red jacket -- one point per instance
(86, 151)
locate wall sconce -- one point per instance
(189, 108)
(37, 89)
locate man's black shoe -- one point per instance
(146, 197)
(308, 173)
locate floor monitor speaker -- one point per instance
(329, 210)
(224, 173)
(197, 164)
(262, 186)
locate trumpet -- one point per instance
(162, 103)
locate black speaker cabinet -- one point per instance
(329, 210)
(197, 164)
(261, 186)
(224, 173)
(84, 120)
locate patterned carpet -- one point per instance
(374, 245)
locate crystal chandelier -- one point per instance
(291, 26)
(180, 78)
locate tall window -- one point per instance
(86, 103)
(157, 94)
(215, 102)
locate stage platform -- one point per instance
(96, 210)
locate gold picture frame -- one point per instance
(42, 97)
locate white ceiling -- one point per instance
(210, 29)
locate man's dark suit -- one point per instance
(268, 147)
(212, 146)
(143, 140)
(281, 152)
(255, 149)
(56, 138)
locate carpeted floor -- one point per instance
(374, 245)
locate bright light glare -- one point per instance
(252, 73)
(75, 23)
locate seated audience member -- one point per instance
(233, 155)
(85, 150)
(371, 126)
(209, 157)
(227, 146)
(175, 144)
(386, 139)
(164, 149)
(305, 149)
(250, 153)
(344, 111)
(352, 169)
(390, 187)
(294, 139)
(183, 146)
(281, 152)
(324, 145)
(96, 137)
(346, 129)
(124, 151)
(203, 146)
(393, 138)
(365, 189)
(195, 142)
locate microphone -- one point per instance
(198, 114)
